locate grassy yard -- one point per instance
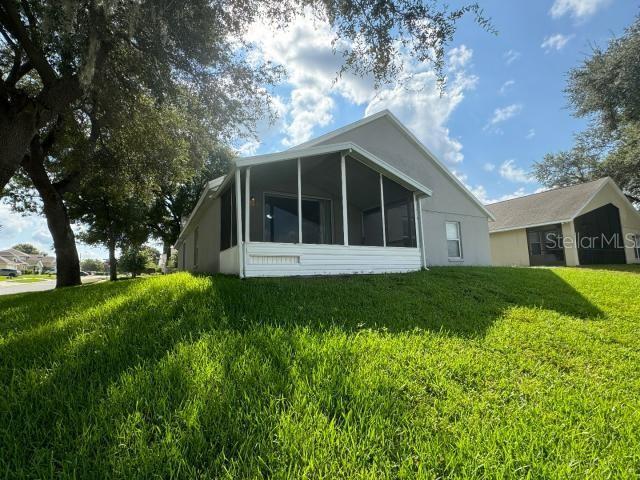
(28, 278)
(461, 372)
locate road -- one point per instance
(7, 288)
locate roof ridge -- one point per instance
(547, 191)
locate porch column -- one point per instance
(345, 224)
(384, 226)
(417, 211)
(299, 203)
(238, 193)
(247, 201)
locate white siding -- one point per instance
(284, 259)
(229, 262)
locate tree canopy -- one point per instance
(605, 90)
(26, 248)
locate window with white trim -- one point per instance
(637, 246)
(454, 242)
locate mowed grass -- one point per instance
(450, 373)
(28, 278)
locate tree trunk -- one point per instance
(67, 262)
(167, 256)
(113, 266)
(16, 133)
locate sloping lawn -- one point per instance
(462, 372)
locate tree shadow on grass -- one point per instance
(460, 301)
(213, 375)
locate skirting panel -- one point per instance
(283, 259)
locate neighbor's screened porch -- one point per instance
(299, 214)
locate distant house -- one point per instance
(7, 263)
(28, 263)
(366, 198)
(585, 224)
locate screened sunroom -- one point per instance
(335, 209)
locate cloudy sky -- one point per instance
(503, 109)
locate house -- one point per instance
(366, 198)
(7, 263)
(28, 263)
(585, 224)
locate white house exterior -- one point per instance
(366, 198)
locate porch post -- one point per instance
(239, 223)
(384, 227)
(247, 199)
(419, 227)
(345, 225)
(299, 203)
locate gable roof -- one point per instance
(552, 206)
(412, 138)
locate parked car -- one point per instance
(9, 272)
(84, 274)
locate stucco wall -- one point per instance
(208, 223)
(510, 248)
(628, 216)
(448, 203)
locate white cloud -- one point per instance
(511, 172)
(555, 42)
(489, 167)
(501, 115)
(511, 56)
(578, 9)
(506, 86)
(480, 191)
(530, 134)
(306, 51)
(420, 105)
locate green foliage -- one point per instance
(133, 260)
(26, 248)
(92, 265)
(454, 372)
(604, 88)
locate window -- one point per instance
(281, 218)
(454, 245)
(535, 244)
(637, 246)
(195, 247)
(184, 256)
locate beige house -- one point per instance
(366, 198)
(28, 263)
(585, 224)
(7, 263)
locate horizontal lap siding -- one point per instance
(328, 260)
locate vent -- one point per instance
(274, 259)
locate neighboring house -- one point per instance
(585, 224)
(28, 263)
(366, 198)
(7, 263)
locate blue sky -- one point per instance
(504, 107)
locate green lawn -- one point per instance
(28, 278)
(455, 372)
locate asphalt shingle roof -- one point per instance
(544, 207)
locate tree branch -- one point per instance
(11, 18)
